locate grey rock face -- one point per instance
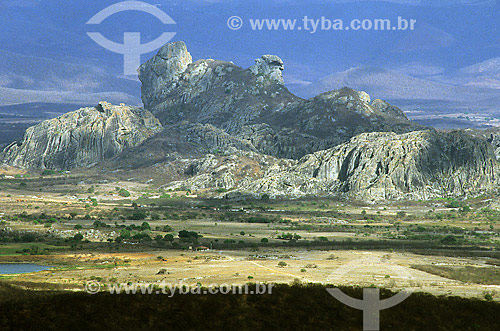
(215, 139)
(209, 92)
(387, 108)
(255, 105)
(370, 167)
(161, 73)
(378, 166)
(242, 130)
(81, 138)
(268, 67)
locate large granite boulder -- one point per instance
(81, 138)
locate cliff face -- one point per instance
(210, 91)
(416, 165)
(371, 166)
(81, 138)
(253, 104)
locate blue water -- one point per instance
(20, 268)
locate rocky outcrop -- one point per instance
(491, 135)
(229, 171)
(211, 91)
(241, 130)
(253, 104)
(388, 109)
(371, 166)
(213, 139)
(268, 68)
(161, 74)
(81, 138)
(379, 166)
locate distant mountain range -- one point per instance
(475, 87)
(29, 79)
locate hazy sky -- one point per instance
(448, 36)
(453, 34)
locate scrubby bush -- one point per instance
(124, 193)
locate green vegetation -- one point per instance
(467, 274)
(124, 193)
(30, 249)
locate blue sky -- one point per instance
(444, 56)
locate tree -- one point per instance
(453, 204)
(138, 215)
(282, 264)
(141, 236)
(124, 193)
(78, 237)
(183, 234)
(125, 234)
(449, 240)
(264, 240)
(99, 224)
(167, 228)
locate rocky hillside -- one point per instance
(241, 130)
(254, 105)
(371, 166)
(81, 138)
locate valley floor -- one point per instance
(115, 231)
(394, 271)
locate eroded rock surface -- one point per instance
(81, 138)
(253, 104)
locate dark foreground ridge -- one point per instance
(296, 307)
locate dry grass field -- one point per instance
(119, 231)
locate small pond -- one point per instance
(20, 268)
